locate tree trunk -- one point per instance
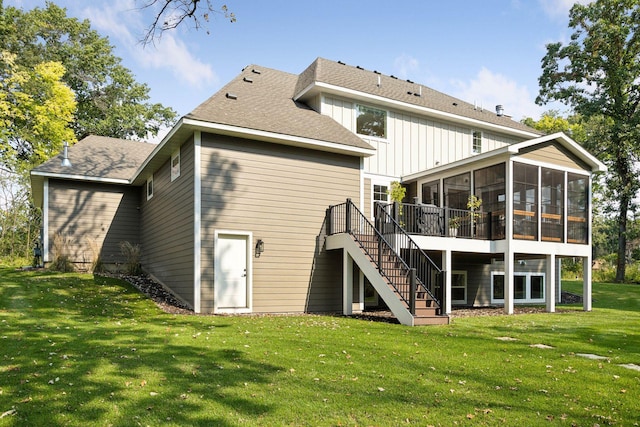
(622, 240)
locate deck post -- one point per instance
(412, 291)
(327, 222)
(347, 219)
(550, 294)
(586, 284)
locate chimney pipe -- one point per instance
(499, 110)
(65, 155)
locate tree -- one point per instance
(109, 100)
(36, 109)
(171, 13)
(598, 74)
(552, 122)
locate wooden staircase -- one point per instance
(400, 272)
(426, 311)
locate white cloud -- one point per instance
(118, 18)
(489, 89)
(559, 9)
(405, 65)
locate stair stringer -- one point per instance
(345, 241)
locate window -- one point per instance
(458, 287)
(380, 193)
(476, 148)
(371, 121)
(490, 186)
(525, 197)
(457, 190)
(431, 193)
(552, 205)
(577, 208)
(175, 165)
(150, 187)
(527, 287)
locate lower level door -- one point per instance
(232, 276)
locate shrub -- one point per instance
(60, 258)
(133, 254)
(97, 266)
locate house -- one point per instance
(272, 196)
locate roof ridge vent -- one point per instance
(341, 63)
(231, 95)
(256, 71)
(248, 80)
(393, 77)
(359, 67)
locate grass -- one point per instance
(82, 350)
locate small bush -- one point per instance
(97, 266)
(133, 255)
(60, 258)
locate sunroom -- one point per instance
(499, 223)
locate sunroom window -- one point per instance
(578, 208)
(371, 121)
(525, 199)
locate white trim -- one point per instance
(380, 100)
(80, 177)
(197, 221)
(175, 171)
(463, 273)
(249, 236)
(281, 138)
(45, 221)
(527, 299)
(146, 187)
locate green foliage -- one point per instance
(19, 220)
(597, 74)
(36, 110)
(397, 192)
(552, 122)
(109, 100)
(80, 349)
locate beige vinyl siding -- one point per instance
(280, 195)
(87, 213)
(167, 227)
(554, 154)
(413, 143)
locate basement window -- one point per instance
(371, 121)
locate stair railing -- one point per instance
(381, 246)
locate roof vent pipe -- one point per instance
(65, 155)
(499, 110)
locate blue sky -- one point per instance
(485, 51)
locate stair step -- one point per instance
(431, 320)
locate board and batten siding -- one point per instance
(167, 227)
(280, 195)
(414, 143)
(92, 216)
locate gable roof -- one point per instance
(94, 158)
(325, 76)
(260, 102)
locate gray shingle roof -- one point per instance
(365, 81)
(100, 157)
(263, 101)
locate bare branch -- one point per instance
(169, 14)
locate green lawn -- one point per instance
(78, 350)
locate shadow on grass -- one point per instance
(72, 355)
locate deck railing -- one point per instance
(431, 220)
(398, 259)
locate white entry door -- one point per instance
(232, 274)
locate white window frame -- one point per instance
(380, 182)
(473, 142)
(453, 286)
(149, 186)
(528, 276)
(175, 170)
(384, 138)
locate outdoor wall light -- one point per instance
(65, 155)
(259, 247)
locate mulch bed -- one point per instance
(172, 305)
